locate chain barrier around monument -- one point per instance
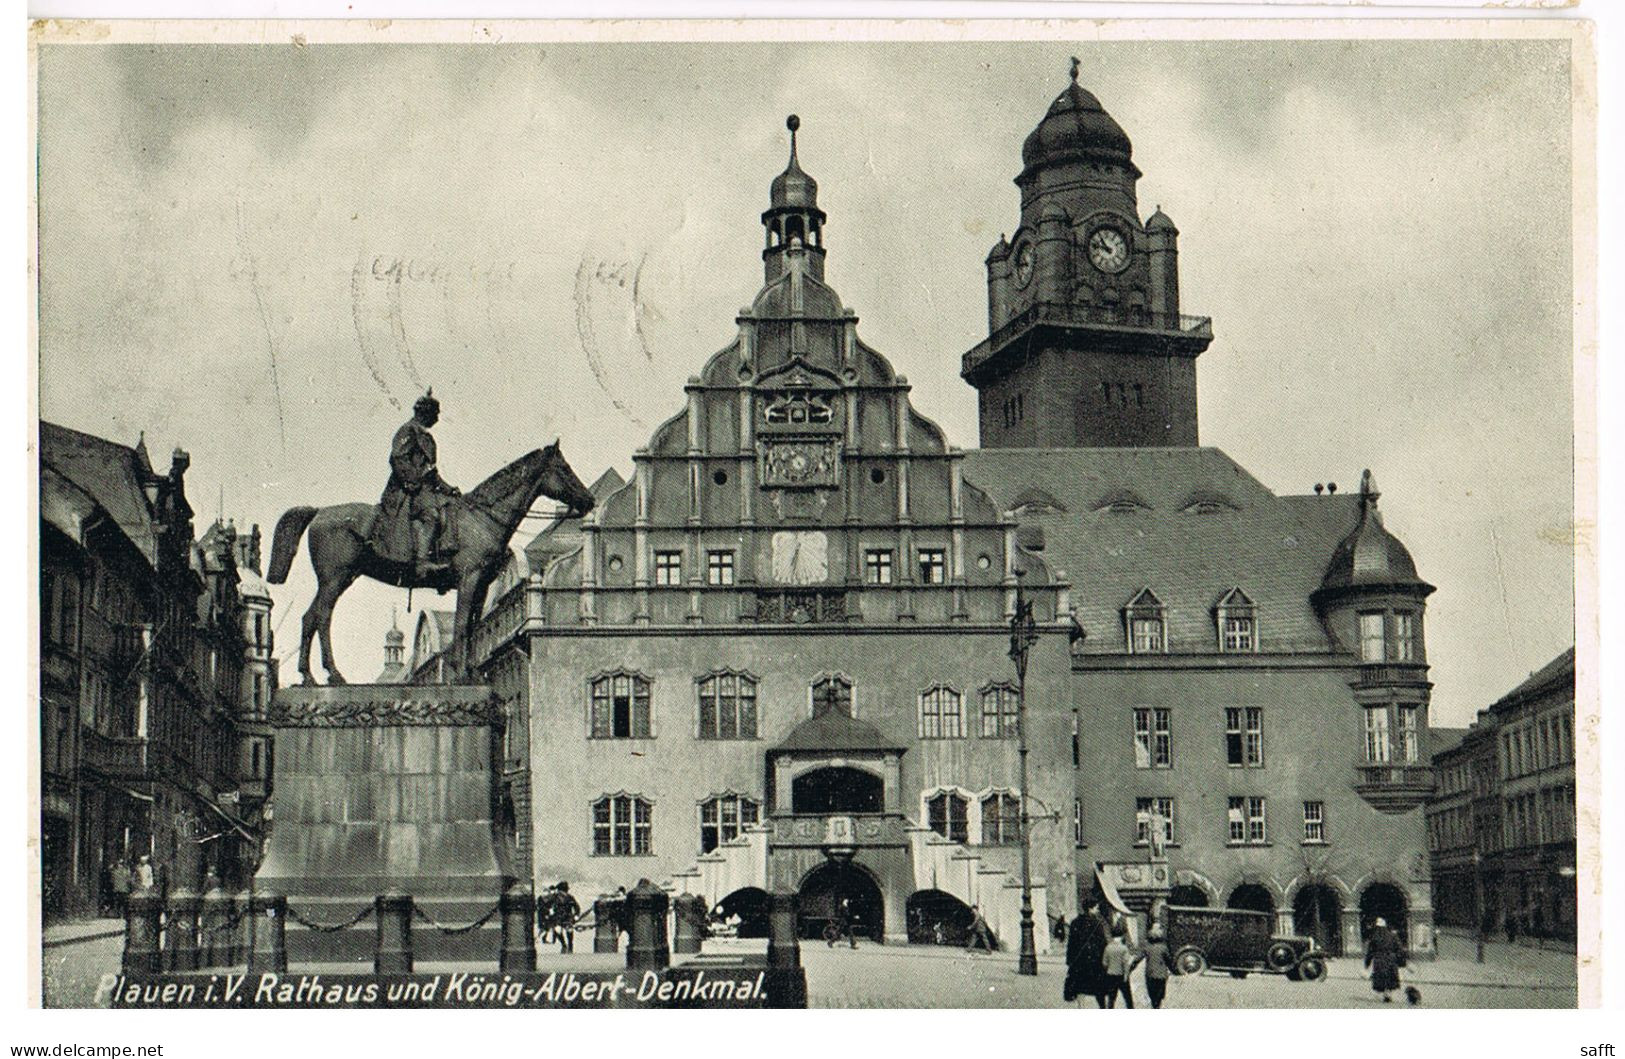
(156, 974)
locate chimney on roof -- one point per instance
(1331, 487)
(1319, 488)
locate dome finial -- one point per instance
(1075, 65)
(792, 123)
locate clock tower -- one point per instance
(1086, 345)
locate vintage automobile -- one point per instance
(1238, 941)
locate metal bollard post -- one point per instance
(267, 933)
(393, 953)
(241, 939)
(180, 935)
(143, 910)
(606, 931)
(646, 948)
(215, 927)
(518, 939)
(786, 978)
(689, 921)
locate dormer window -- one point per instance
(1237, 623)
(1145, 620)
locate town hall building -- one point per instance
(778, 656)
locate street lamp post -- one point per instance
(1023, 635)
(1478, 902)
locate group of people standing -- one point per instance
(126, 876)
(1101, 959)
(556, 913)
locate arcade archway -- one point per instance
(837, 789)
(936, 917)
(1317, 912)
(1188, 895)
(1387, 901)
(825, 889)
(750, 905)
(1254, 897)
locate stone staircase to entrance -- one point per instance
(938, 864)
(943, 864)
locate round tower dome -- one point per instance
(793, 189)
(1076, 128)
(1371, 557)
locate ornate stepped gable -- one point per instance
(798, 459)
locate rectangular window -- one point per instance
(621, 827)
(877, 566)
(941, 714)
(1255, 737)
(1153, 738)
(1376, 735)
(1372, 646)
(728, 707)
(723, 818)
(1077, 821)
(1256, 833)
(948, 814)
(1144, 810)
(1568, 739)
(1404, 647)
(1234, 754)
(1238, 633)
(668, 568)
(719, 568)
(620, 707)
(933, 566)
(999, 712)
(1314, 822)
(1146, 636)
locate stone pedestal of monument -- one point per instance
(379, 788)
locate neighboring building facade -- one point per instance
(1502, 830)
(156, 671)
(778, 657)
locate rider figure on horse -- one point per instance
(410, 511)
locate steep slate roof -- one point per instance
(1274, 548)
(1444, 740)
(835, 730)
(111, 474)
(1556, 674)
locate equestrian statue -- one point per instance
(423, 533)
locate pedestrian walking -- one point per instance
(1158, 965)
(1385, 955)
(145, 879)
(1085, 946)
(121, 878)
(566, 910)
(1118, 962)
(979, 935)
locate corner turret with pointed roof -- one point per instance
(1370, 556)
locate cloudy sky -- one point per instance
(263, 253)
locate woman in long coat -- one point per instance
(1085, 946)
(1384, 955)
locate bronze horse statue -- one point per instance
(480, 523)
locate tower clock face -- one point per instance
(1108, 250)
(1024, 264)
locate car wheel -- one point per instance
(1311, 968)
(1280, 956)
(1190, 961)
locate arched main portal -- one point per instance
(1188, 895)
(1387, 901)
(750, 905)
(837, 789)
(936, 917)
(1317, 912)
(827, 886)
(1252, 896)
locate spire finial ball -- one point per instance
(792, 123)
